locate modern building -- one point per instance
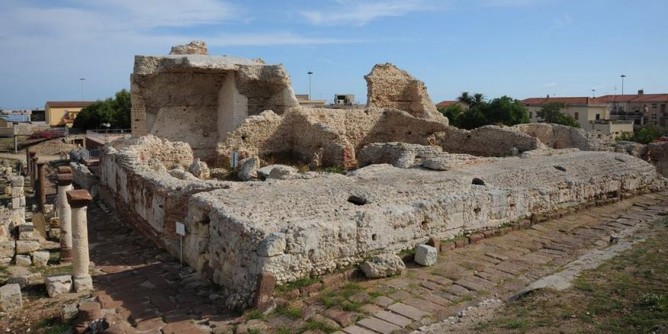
(63, 113)
(641, 108)
(590, 113)
(305, 101)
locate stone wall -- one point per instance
(333, 135)
(136, 179)
(296, 228)
(393, 88)
(300, 227)
(198, 99)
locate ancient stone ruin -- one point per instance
(198, 99)
(411, 177)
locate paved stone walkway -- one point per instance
(140, 284)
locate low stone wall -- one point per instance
(295, 228)
(299, 228)
(135, 179)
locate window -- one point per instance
(654, 105)
(530, 114)
(598, 117)
(577, 116)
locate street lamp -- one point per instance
(309, 84)
(82, 80)
(593, 93)
(622, 76)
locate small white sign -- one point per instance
(180, 229)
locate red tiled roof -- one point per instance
(578, 100)
(446, 103)
(66, 104)
(635, 98)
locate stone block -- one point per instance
(22, 281)
(7, 249)
(82, 284)
(40, 258)
(18, 181)
(10, 298)
(16, 203)
(248, 168)
(383, 265)
(26, 246)
(17, 192)
(426, 255)
(58, 285)
(23, 260)
(5, 261)
(68, 312)
(476, 237)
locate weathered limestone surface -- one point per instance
(192, 48)
(198, 99)
(561, 136)
(426, 255)
(58, 285)
(383, 265)
(392, 88)
(297, 228)
(658, 155)
(325, 137)
(10, 298)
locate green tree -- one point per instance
(551, 113)
(115, 111)
(500, 111)
(453, 112)
(644, 135)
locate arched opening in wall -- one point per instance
(425, 224)
(374, 237)
(477, 210)
(311, 254)
(478, 181)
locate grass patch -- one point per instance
(52, 326)
(300, 283)
(627, 294)
(290, 312)
(340, 297)
(313, 325)
(254, 314)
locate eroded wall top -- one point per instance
(391, 87)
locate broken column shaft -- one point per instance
(41, 185)
(65, 216)
(78, 200)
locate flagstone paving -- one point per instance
(148, 291)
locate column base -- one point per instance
(82, 284)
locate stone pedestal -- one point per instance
(78, 200)
(65, 215)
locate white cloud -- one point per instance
(363, 12)
(551, 84)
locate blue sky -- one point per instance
(519, 48)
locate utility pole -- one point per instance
(622, 76)
(310, 74)
(82, 81)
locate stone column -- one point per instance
(33, 168)
(41, 184)
(27, 162)
(65, 216)
(78, 200)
